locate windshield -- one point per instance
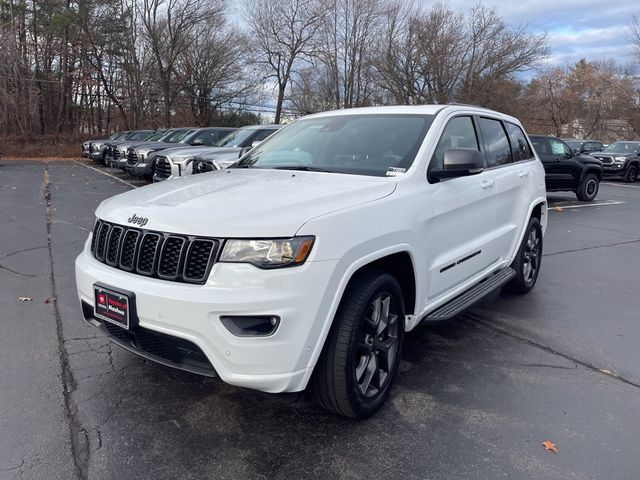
(236, 139)
(143, 135)
(574, 144)
(115, 136)
(376, 145)
(120, 135)
(623, 147)
(157, 136)
(175, 135)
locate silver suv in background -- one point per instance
(177, 162)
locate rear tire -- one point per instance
(360, 358)
(588, 188)
(527, 261)
(632, 174)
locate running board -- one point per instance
(470, 297)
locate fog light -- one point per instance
(251, 326)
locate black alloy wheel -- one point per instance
(528, 259)
(362, 352)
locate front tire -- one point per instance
(589, 187)
(632, 174)
(361, 354)
(527, 261)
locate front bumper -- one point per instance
(139, 169)
(614, 169)
(96, 156)
(281, 362)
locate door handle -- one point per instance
(524, 173)
(487, 184)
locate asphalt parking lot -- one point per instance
(475, 397)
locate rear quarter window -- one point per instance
(520, 145)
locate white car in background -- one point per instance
(303, 264)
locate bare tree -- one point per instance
(212, 71)
(169, 27)
(284, 33)
(632, 35)
(346, 37)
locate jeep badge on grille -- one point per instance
(142, 221)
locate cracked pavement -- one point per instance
(475, 398)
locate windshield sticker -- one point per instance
(394, 171)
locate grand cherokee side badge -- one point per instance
(142, 221)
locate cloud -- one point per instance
(575, 29)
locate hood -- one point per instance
(584, 158)
(178, 154)
(611, 155)
(153, 145)
(243, 203)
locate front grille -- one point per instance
(132, 157)
(178, 258)
(605, 160)
(163, 167)
(115, 153)
(90, 148)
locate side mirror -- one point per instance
(460, 162)
(577, 151)
(197, 143)
(256, 143)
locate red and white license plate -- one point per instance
(112, 306)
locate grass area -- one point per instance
(41, 147)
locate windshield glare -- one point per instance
(376, 145)
(235, 139)
(623, 147)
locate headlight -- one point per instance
(97, 145)
(143, 153)
(274, 253)
(619, 159)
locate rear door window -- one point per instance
(496, 142)
(521, 148)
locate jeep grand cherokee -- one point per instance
(303, 265)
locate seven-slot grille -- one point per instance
(154, 254)
(163, 167)
(132, 156)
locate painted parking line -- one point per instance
(618, 185)
(559, 208)
(108, 174)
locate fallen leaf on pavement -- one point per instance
(549, 445)
(24, 299)
(50, 300)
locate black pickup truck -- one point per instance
(621, 159)
(566, 170)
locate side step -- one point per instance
(471, 296)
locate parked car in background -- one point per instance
(177, 163)
(566, 170)
(85, 145)
(303, 265)
(99, 154)
(115, 149)
(141, 150)
(621, 159)
(95, 147)
(584, 146)
(199, 138)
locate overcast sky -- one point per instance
(591, 29)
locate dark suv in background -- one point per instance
(584, 146)
(621, 159)
(566, 170)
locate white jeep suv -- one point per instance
(303, 265)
